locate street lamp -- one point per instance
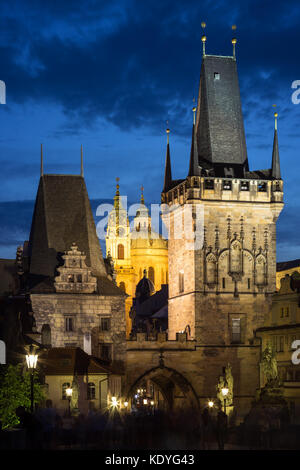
(225, 391)
(145, 401)
(31, 360)
(211, 404)
(69, 392)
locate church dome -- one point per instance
(145, 288)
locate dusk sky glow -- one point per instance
(109, 74)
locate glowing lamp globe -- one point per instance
(31, 360)
(225, 391)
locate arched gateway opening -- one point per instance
(162, 388)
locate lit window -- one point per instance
(91, 391)
(69, 324)
(216, 76)
(236, 330)
(181, 281)
(105, 324)
(64, 388)
(120, 251)
(287, 311)
(151, 274)
(105, 351)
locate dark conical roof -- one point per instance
(275, 158)
(219, 122)
(144, 289)
(168, 171)
(194, 169)
(62, 216)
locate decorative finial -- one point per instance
(275, 116)
(194, 112)
(81, 168)
(42, 161)
(142, 195)
(118, 186)
(233, 40)
(203, 38)
(168, 132)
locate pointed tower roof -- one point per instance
(168, 171)
(275, 173)
(219, 121)
(62, 216)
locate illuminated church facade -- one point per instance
(135, 250)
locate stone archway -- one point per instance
(174, 387)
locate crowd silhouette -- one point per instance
(145, 428)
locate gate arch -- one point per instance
(162, 376)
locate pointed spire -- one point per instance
(168, 172)
(233, 40)
(142, 195)
(81, 169)
(42, 161)
(117, 196)
(203, 38)
(275, 156)
(194, 169)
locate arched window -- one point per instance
(91, 391)
(151, 274)
(260, 270)
(122, 286)
(120, 251)
(210, 269)
(181, 281)
(63, 390)
(46, 335)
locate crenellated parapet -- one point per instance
(224, 189)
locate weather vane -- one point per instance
(203, 39)
(233, 40)
(275, 115)
(167, 131)
(194, 112)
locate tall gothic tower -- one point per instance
(222, 265)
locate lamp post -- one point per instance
(225, 391)
(210, 404)
(31, 360)
(69, 392)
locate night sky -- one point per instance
(109, 74)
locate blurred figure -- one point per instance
(47, 419)
(221, 428)
(29, 423)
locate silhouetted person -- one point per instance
(221, 428)
(29, 424)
